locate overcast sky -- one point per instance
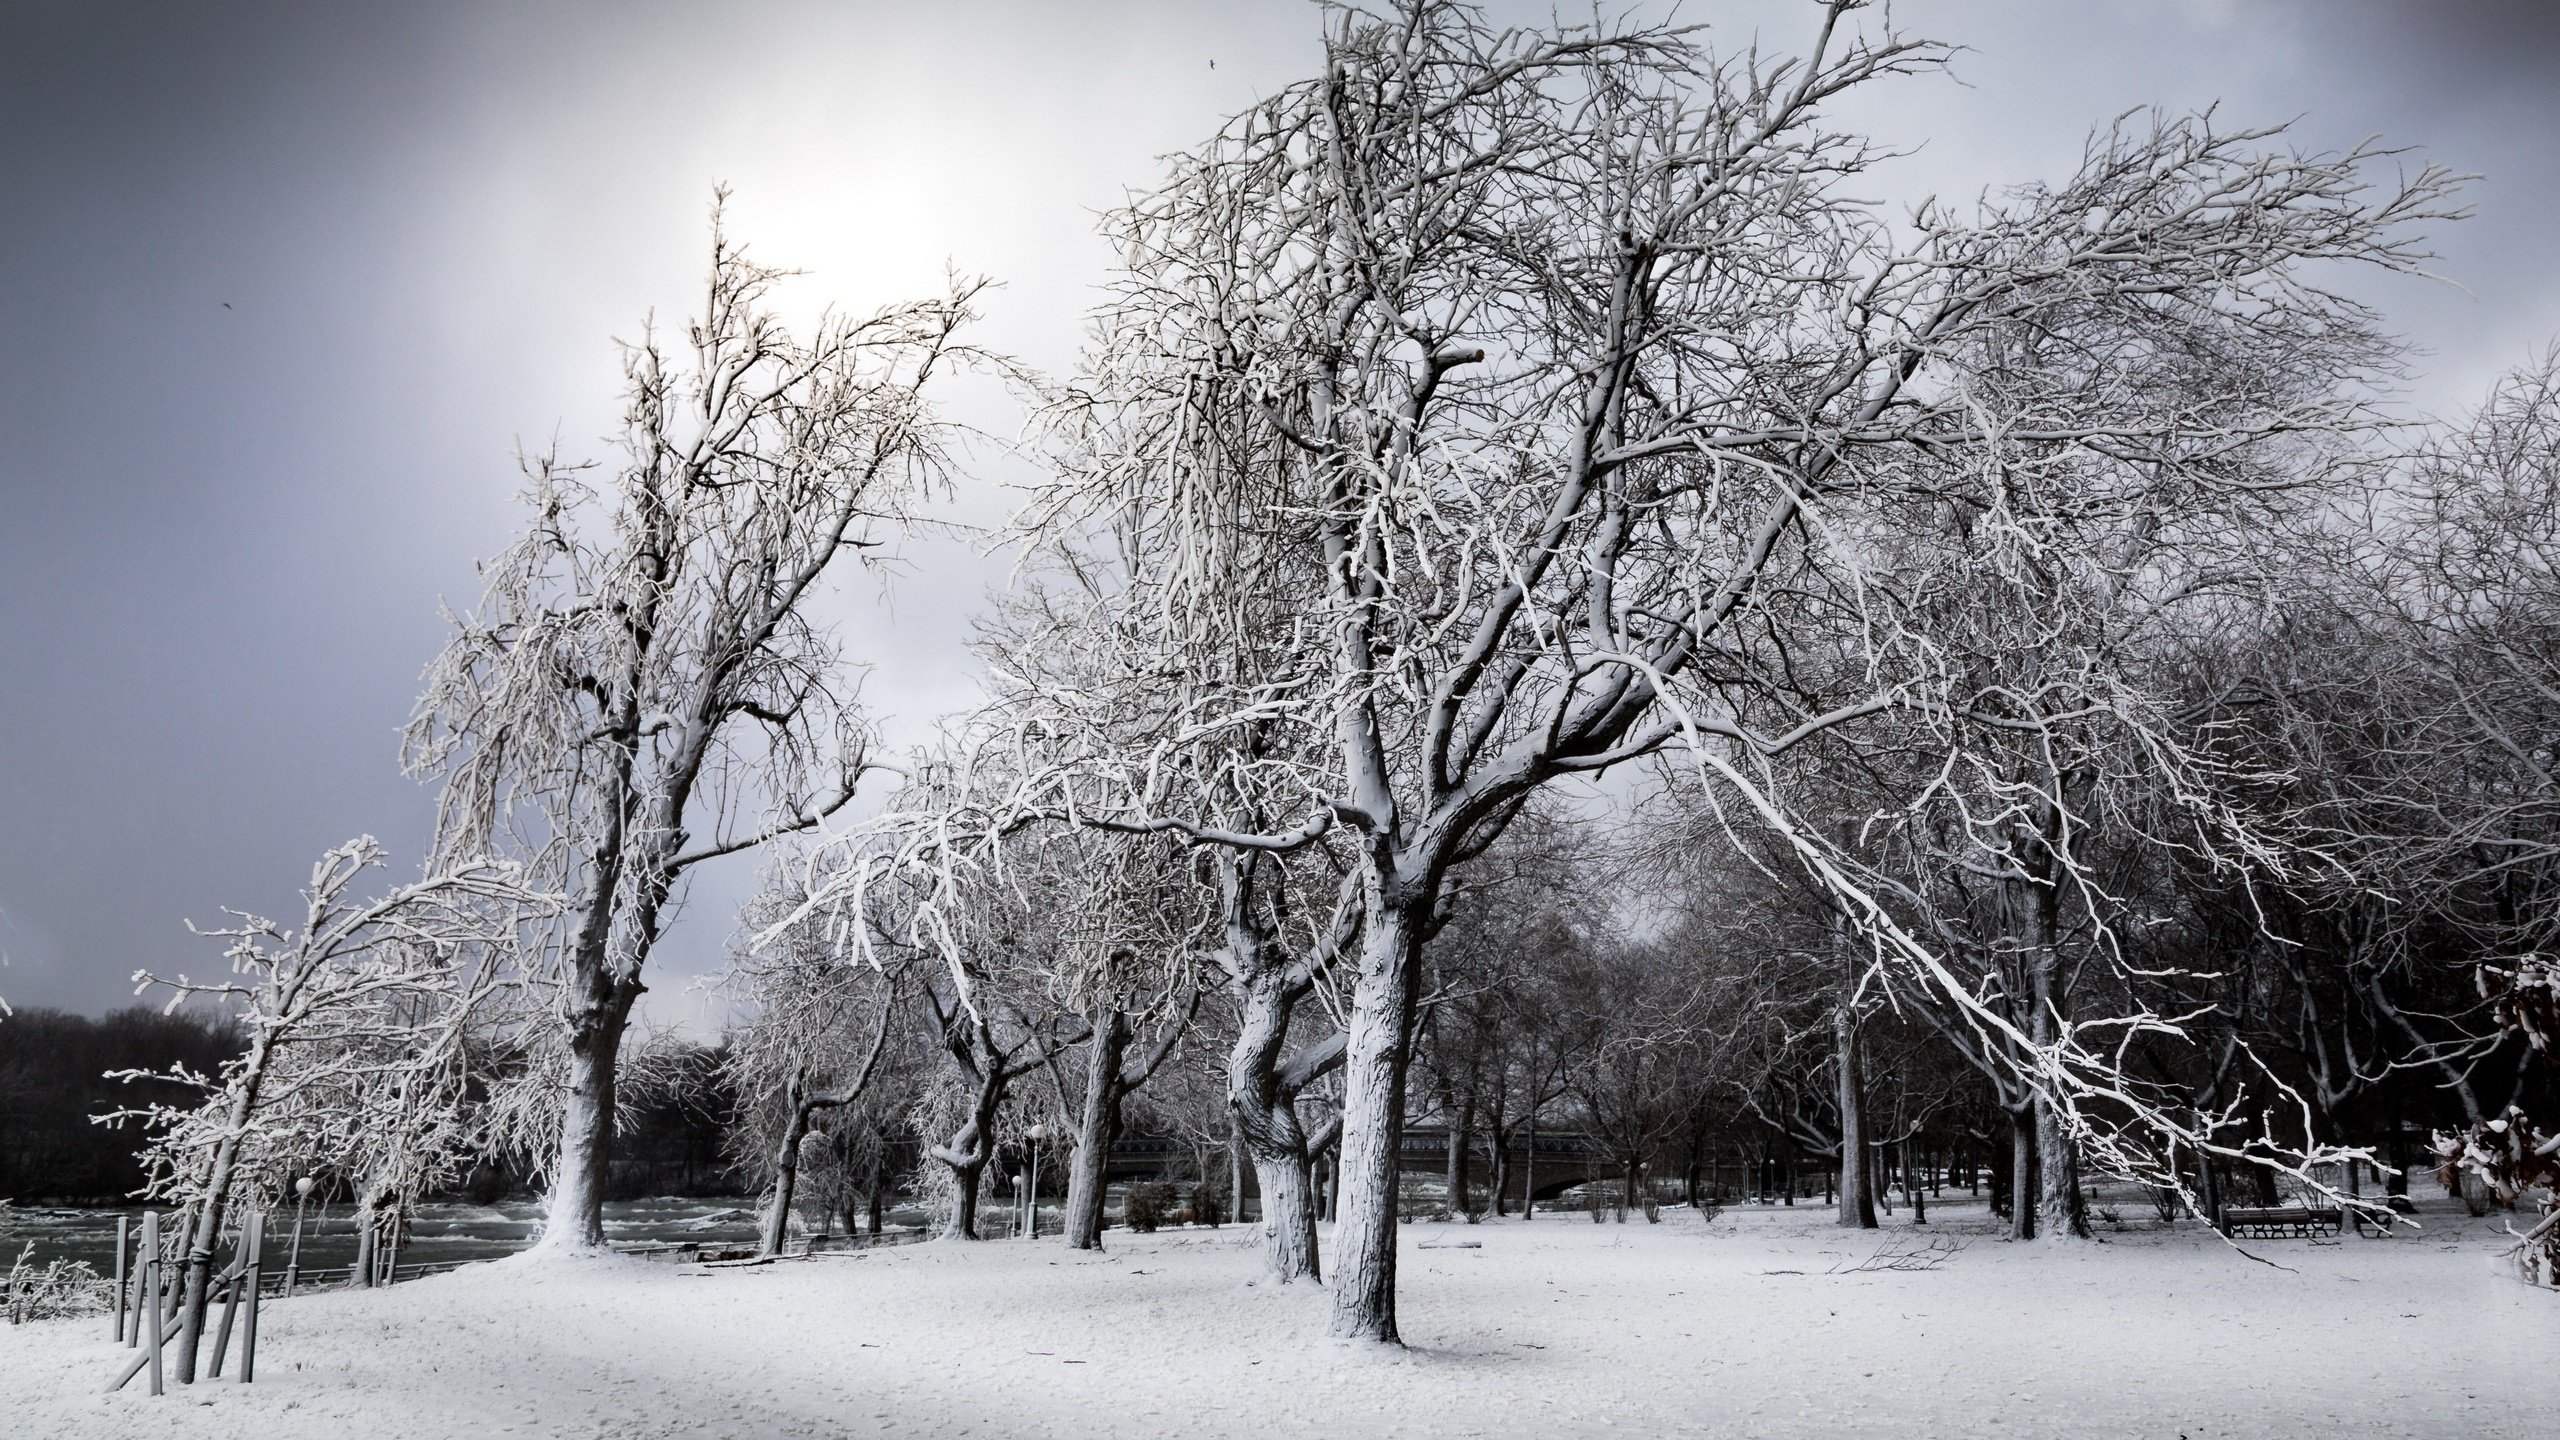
(284, 287)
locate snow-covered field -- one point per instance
(1758, 1323)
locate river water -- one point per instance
(439, 1232)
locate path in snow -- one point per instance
(1553, 1328)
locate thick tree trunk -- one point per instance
(969, 1152)
(786, 1173)
(1288, 1221)
(1262, 1091)
(360, 1271)
(962, 1222)
(1099, 1127)
(1529, 1170)
(1857, 1205)
(2059, 1213)
(2022, 1174)
(1454, 1165)
(368, 1222)
(2060, 1216)
(1276, 1146)
(574, 1216)
(1088, 1188)
(2265, 1177)
(1375, 1068)
(212, 1209)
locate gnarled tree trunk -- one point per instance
(1111, 1077)
(1374, 1073)
(573, 1216)
(786, 1172)
(967, 1153)
(1098, 1128)
(1265, 1078)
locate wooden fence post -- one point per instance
(230, 1311)
(150, 1320)
(121, 1246)
(257, 1283)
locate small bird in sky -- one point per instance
(226, 304)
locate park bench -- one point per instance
(2279, 1221)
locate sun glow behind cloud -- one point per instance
(225, 529)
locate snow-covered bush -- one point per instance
(356, 1024)
(57, 1289)
(2509, 1160)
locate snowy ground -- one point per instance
(1754, 1324)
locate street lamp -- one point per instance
(293, 1263)
(1031, 1211)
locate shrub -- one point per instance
(1143, 1207)
(1208, 1207)
(61, 1288)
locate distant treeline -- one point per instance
(53, 1079)
(673, 1140)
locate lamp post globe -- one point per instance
(302, 1186)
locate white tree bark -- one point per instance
(1374, 1072)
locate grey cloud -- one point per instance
(224, 531)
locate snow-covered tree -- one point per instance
(643, 687)
(353, 1023)
(1124, 967)
(813, 1039)
(1562, 370)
